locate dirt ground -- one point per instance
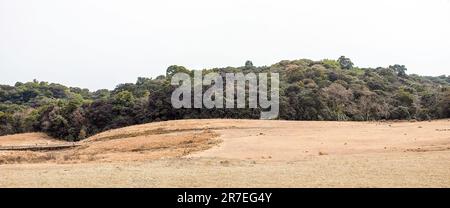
(240, 153)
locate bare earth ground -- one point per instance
(240, 153)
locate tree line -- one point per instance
(332, 90)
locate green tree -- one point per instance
(176, 69)
(248, 64)
(399, 69)
(124, 98)
(345, 63)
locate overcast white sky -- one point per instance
(101, 43)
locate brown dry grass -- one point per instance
(11, 157)
(244, 153)
(135, 143)
(28, 139)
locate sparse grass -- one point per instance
(159, 131)
(296, 148)
(123, 147)
(28, 157)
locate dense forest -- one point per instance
(309, 90)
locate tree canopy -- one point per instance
(309, 90)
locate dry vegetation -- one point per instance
(128, 144)
(243, 153)
(27, 139)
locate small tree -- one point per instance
(345, 63)
(248, 64)
(399, 69)
(176, 69)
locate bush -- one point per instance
(310, 90)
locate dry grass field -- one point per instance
(239, 153)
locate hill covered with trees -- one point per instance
(309, 90)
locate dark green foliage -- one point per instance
(176, 69)
(399, 69)
(309, 90)
(345, 63)
(248, 64)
